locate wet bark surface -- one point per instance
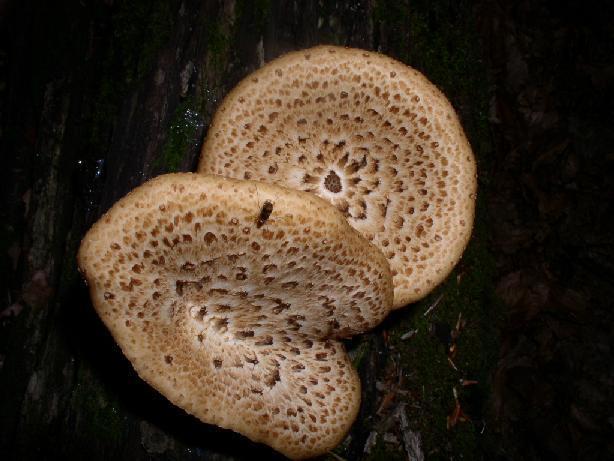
(98, 96)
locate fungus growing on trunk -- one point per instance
(234, 316)
(370, 135)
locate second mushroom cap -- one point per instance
(370, 135)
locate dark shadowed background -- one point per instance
(98, 96)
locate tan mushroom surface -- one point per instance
(229, 297)
(367, 133)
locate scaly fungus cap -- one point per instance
(229, 298)
(367, 133)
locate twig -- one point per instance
(409, 334)
(433, 306)
(411, 440)
(457, 414)
(371, 441)
(460, 323)
(336, 456)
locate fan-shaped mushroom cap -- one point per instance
(367, 133)
(234, 315)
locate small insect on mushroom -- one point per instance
(265, 212)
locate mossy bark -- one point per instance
(103, 95)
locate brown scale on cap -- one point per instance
(367, 133)
(235, 319)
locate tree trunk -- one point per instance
(97, 97)
(102, 96)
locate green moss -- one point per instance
(430, 378)
(183, 135)
(104, 421)
(440, 40)
(140, 30)
(218, 44)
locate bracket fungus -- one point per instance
(369, 134)
(230, 298)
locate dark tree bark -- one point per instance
(98, 96)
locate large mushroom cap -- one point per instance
(367, 133)
(229, 297)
